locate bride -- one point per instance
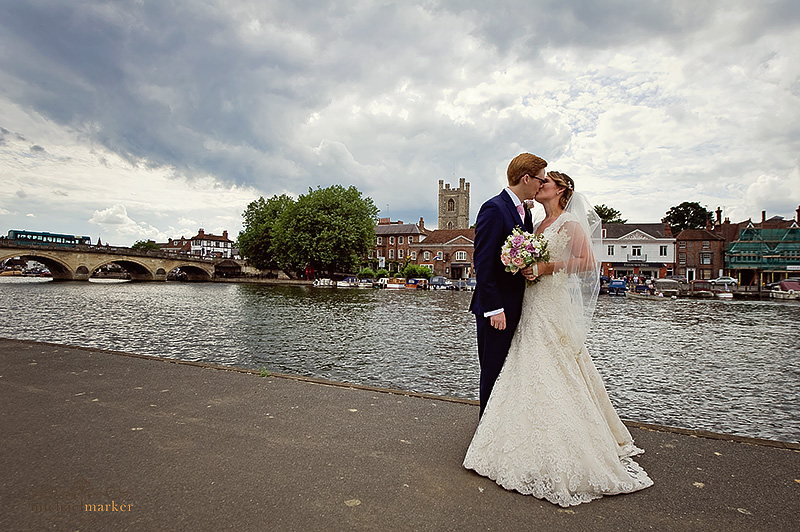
(549, 429)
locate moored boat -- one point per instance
(652, 297)
(667, 287)
(348, 282)
(786, 290)
(617, 287)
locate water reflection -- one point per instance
(726, 366)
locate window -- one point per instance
(379, 253)
(426, 255)
(682, 244)
(439, 255)
(461, 256)
(411, 240)
(636, 251)
(451, 205)
(662, 251)
(400, 240)
(610, 250)
(399, 253)
(413, 255)
(391, 240)
(705, 258)
(681, 258)
(706, 244)
(391, 253)
(380, 241)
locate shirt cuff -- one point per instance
(493, 313)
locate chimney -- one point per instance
(667, 230)
(200, 232)
(763, 216)
(422, 222)
(225, 235)
(798, 214)
(719, 215)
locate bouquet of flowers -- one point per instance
(522, 249)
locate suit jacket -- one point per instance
(497, 288)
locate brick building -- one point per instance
(394, 243)
(700, 254)
(447, 252)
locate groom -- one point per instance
(497, 300)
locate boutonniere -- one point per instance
(528, 204)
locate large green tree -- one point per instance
(687, 215)
(609, 215)
(255, 242)
(145, 245)
(329, 228)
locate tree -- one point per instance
(329, 228)
(366, 273)
(687, 215)
(145, 245)
(415, 271)
(255, 242)
(609, 215)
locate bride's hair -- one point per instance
(563, 180)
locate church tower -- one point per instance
(454, 205)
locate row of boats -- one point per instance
(665, 289)
(398, 283)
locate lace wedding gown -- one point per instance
(549, 429)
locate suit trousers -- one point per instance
(492, 350)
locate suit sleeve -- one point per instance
(489, 239)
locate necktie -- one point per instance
(521, 211)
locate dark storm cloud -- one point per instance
(165, 83)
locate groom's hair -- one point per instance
(524, 163)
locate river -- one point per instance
(725, 366)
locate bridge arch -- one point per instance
(137, 270)
(191, 272)
(58, 268)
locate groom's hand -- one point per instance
(498, 321)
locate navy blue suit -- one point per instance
(496, 288)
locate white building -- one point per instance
(209, 245)
(638, 249)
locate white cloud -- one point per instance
(116, 215)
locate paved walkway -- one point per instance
(156, 445)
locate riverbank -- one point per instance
(149, 443)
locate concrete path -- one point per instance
(158, 445)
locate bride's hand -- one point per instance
(528, 273)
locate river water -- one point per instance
(725, 366)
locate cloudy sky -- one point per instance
(149, 119)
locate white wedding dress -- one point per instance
(549, 429)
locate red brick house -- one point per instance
(447, 252)
(394, 243)
(700, 254)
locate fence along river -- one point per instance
(725, 366)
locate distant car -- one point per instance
(679, 278)
(724, 280)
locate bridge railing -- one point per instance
(112, 250)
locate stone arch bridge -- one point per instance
(77, 263)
